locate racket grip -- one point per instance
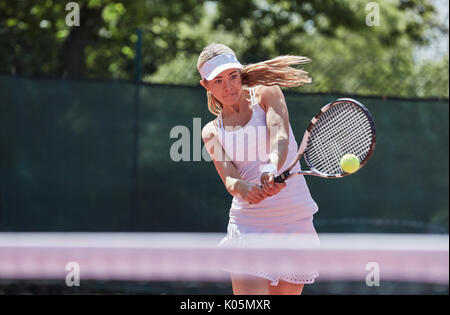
(282, 177)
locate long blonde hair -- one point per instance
(276, 71)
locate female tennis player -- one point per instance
(250, 142)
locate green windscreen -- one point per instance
(95, 156)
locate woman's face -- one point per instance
(226, 87)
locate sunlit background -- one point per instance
(86, 112)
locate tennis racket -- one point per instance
(341, 127)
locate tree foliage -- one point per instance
(348, 55)
(284, 21)
(36, 40)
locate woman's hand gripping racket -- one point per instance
(344, 126)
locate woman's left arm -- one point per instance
(277, 120)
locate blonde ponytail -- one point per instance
(276, 71)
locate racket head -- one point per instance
(344, 126)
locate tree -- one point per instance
(347, 55)
(284, 21)
(36, 40)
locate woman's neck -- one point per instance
(236, 108)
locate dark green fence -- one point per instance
(95, 156)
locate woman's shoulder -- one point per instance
(210, 129)
(264, 92)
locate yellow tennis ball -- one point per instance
(349, 163)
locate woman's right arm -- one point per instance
(228, 172)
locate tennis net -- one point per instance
(196, 257)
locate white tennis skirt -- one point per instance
(242, 235)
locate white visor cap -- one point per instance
(219, 63)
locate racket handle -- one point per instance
(282, 177)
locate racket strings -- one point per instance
(333, 147)
(341, 129)
(337, 145)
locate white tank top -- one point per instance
(249, 147)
